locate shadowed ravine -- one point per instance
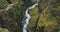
(28, 17)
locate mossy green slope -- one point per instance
(48, 18)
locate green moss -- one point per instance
(3, 30)
(3, 4)
(45, 18)
(34, 15)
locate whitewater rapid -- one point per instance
(28, 17)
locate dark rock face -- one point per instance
(12, 19)
(9, 1)
(27, 3)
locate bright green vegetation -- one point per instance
(34, 16)
(46, 19)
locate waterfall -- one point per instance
(28, 17)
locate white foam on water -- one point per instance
(28, 17)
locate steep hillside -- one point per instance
(45, 17)
(12, 18)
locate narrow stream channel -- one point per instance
(28, 17)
